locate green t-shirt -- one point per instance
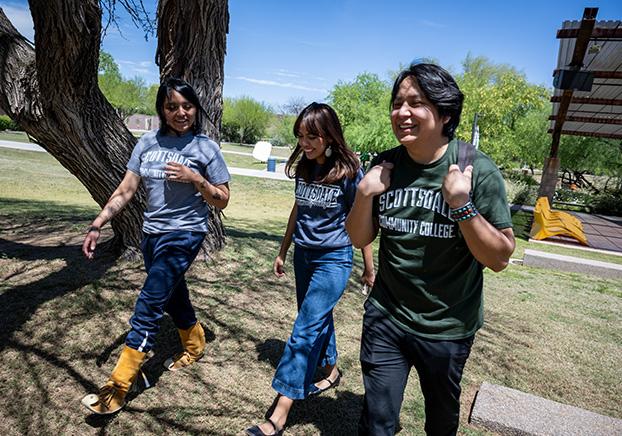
(428, 281)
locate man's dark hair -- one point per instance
(439, 88)
(188, 92)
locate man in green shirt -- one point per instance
(440, 227)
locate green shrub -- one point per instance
(578, 196)
(7, 123)
(521, 192)
(608, 203)
(519, 176)
(281, 131)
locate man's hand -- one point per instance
(377, 180)
(457, 186)
(368, 277)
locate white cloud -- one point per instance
(285, 73)
(297, 75)
(279, 84)
(432, 24)
(20, 16)
(134, 64)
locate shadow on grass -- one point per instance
(521, 223)
(29, 211)
(330, 416)
(62, 334)
(18, 303)
(270, 351)
(238, 233)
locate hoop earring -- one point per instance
(328, 152)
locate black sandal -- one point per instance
(331, 384)
(256, 431)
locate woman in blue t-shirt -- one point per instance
(327, 173)
(183, 171)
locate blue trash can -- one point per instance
(271, 164)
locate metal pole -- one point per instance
(475, 131)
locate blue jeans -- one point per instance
(167, 258)
(321, 279)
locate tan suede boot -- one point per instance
(193, 341)
(111, 396)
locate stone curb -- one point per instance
(512, 412)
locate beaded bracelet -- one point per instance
(463, 213)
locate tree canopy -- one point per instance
(363, 108)
(128, 97)
(244, 120)
(501, 96)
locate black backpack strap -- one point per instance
(466, 152)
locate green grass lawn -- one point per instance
(552, 334)
(13, 136)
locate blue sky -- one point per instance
(279, 49)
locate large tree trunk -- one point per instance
(192, 40)
(51, 91)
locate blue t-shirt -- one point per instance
(322, 212)
(174, 205)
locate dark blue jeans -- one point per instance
(321, 279)
(388, 352)
(167, 258)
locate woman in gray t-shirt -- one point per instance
(183, 171)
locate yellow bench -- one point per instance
(549, 223)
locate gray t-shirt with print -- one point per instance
(174, 205)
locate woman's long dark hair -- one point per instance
(184, 88)
(320, 119)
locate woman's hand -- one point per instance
(278, 268)
(180, 173)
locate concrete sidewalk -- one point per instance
(277, 175)
(21, 146)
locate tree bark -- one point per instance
(51, 90)
(192, 41)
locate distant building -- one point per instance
(142, 122)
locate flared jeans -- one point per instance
(321, 279)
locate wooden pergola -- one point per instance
(588, 87)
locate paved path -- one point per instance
(277, 175)
(21, 145)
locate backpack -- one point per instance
(466, 151)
